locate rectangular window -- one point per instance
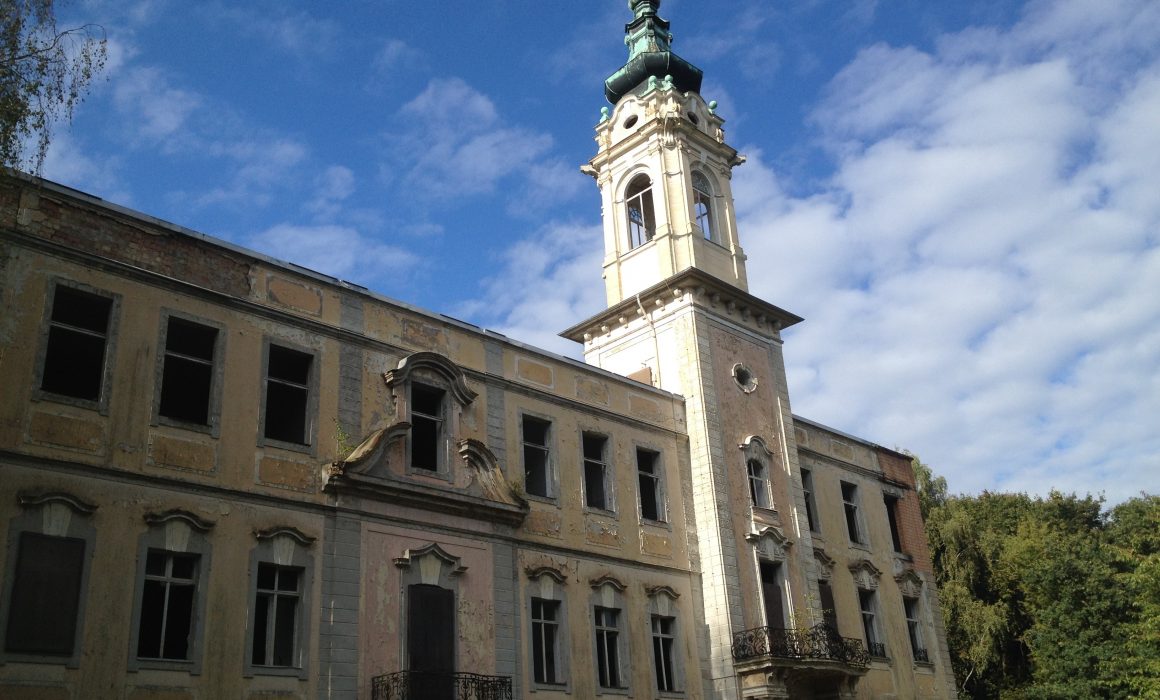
(167, 606)
(187, 373)
(892, 516)
(758, 485)
(276, 616)
(288, 395)
(596, 472)
(808, 492)
(850, 503)
(771, 593)
(426, 426)
(545, 627)
(537, 480)
(663, 634)
(829, 611)
(652, 506)
(914, 629)
(869, 624)
(74, 358)
(607, 654)
(46, 591)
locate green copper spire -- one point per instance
(650, 54)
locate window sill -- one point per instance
(658, 524)
(279, 671)
(601, 512)
(547, 500)
(860, 546)
(287, 446)
(211, 429)
(99, 405)
(613, 691)
(191, 667)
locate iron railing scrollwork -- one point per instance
(922, 656)
(877, 650)
(436, 685)
(817, 642)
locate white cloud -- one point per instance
(161, 110)
(979, 277)
(338, 251)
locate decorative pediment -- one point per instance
(771, 543)
(35, 500)
(535, 573)
(284, 531)
(825, 564)
(434, 553)
(437, 365)
(177, 515)
(607, 580)
(658, 591)
(754, 445)
(910, 583)
(486, 473)
(865, 574)
(365, 456)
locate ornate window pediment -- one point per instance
(178, 515)
(432, 560)
(865, 574)
(607, 580)
(825, 564)
(435, 364)
(910, 583)
(771, 543)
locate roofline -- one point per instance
(95, 201)
(861, 441)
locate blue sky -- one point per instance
(962, 199)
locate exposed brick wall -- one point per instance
(51, 216)
(897, 468)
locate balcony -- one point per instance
(436, 685)
(818, 643)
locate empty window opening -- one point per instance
(869, 623)
(607, 654)
(545, 629)
(649, 483)
(46, 589)
(850, 504)
(829, 612)
(187, 376)
(74, 360)
(641, 216)
(771, 591)
(892, 517)
(426, 426)
(663, 634)
(276, 616)
(703, 206)
(536, 477)
(287, 394)
(808, 493)
(914, 629)
(758, 484)
(167, 601)
(595, 472)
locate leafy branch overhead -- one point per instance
(44, 74)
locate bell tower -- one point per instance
(680, 317)
(663, 169)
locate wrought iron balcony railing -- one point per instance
(437, 685)
(921, 655)
(877, 650)
(818, 642)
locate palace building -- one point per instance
(225, 476)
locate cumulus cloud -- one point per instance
(979, 274)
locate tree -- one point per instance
(44, 75)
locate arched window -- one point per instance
(703, 206)
(639, 205)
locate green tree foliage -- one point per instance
(44, 74)
(1047, 598)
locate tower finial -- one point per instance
(650, 54)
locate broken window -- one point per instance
(74, 358)
(607, 624)
(829, 611)
(649, 483)
(275, 640)
(758, 484)
(596, 472)
(426, 427)
(892, 517)
(639, 206)
(167, 606)
(808, 494)
(545, 652)
(850, 504)
(663, 635)
(45, 600)
(703, 206)
(288, 395)
(187, 374)
(537, 480)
